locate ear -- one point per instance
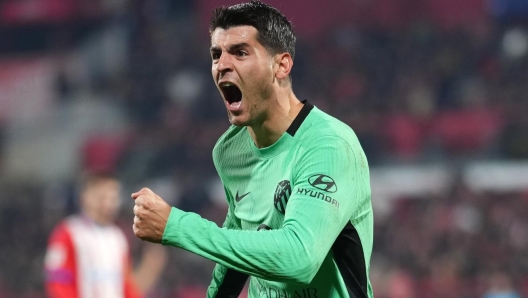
(283, 65)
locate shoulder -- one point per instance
(328, 142)
(61, 230)
(118, 232)
(229, 137)
(324, 130)
(74, 223)
(233, 144)
(60, 247)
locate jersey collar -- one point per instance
(285, 140)
(303, 113)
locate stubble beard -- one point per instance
(256, 111)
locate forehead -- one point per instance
(103, 185)
(234, 35)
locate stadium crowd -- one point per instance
(419, 95)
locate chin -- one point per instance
(239, 120)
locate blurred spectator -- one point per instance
(88, 256)
(500, 286)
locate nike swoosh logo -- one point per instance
(238, 198)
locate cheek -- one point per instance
(261, 70)
(114, 205)
(258, 79)
(110, 204)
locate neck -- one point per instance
(99, 220)
(280, 116)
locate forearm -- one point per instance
(150, 267)
(288, 254)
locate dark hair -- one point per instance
(275, 32)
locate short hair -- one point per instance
(275, 32)
(90, 178)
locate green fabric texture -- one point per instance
(304, 188)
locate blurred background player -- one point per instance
(88, 255)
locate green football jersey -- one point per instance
(300, 220)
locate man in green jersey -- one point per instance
(300, 220)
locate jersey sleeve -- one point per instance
(316, 212)
(227, 282)
(59, 265)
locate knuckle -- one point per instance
(140, 212)
(147, 203)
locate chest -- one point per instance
(261, 193)
(100, 252)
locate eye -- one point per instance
(241, 53)
(215, 55)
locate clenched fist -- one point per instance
(151, 215)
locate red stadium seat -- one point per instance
(466, 130)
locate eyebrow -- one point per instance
(231, 48)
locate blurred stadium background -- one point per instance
(437, 92)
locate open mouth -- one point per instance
(232, 94)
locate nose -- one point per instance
(224, 64)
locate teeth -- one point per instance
(235, 104)
(226, 84)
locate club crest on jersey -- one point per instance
(282, 194)
(323, 182)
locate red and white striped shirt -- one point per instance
(88, 260)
